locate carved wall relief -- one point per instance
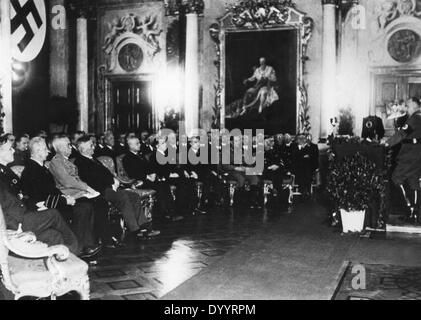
(404, 45)
(130, 57)
(129, 39)
(396, 33)
(131, 48)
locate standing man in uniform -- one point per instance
(408, 171)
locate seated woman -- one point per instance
(263, 93)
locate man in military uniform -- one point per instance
(408, 171)
(47, 225)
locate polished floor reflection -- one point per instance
(150, 269)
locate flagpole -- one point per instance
(6, 65)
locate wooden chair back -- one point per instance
(108, 162)
(121, 173)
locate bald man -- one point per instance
(39, 185)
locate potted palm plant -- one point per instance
(352, 184)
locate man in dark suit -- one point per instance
(74, 138)
(164, 161)
(146, 148)
(138, 168)
(287, 150)
(100, 179)
(198, 168)
(109, 146)
(39, 185)
(274, 168)
(21, 155)
(121, 147)
(47, 225)
(67, 180)
(305, 163)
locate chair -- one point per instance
(147, 198)
(268, 189)
(118, 172)
(147, 201)
(316, 182)
(37, 270)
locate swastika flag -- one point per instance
(28, 28)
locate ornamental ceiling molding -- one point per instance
(263, 14)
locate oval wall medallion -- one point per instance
(130, 57)
(404, 46)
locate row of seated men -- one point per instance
(287, 157)
(284, 156)
(83, 188)
(47, 193)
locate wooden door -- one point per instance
(132, 102)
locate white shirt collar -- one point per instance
(40, 163)
(88, 157)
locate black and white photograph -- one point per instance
(231, 152)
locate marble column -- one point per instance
(6, 65)
(59, 49)
(191, 100)
(82, 76)
(328, 107)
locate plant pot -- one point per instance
(352, 221)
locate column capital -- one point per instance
(326, 2)
(82, 8)
(194, 6)
(177, 7)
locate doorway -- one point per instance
(132, 106)
(392, 88)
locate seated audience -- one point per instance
(21, 155)
(99, 145)
(47, 225)
(43, 134)
(146, 148)
(11, 138)
(121, 147)
(98, 177)
(138, 168)
(39, 185)
(198, 172)
(173, 172)
(109, 146)
(238, 173)
(274, 169)
(67, 180)
(74, 138)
